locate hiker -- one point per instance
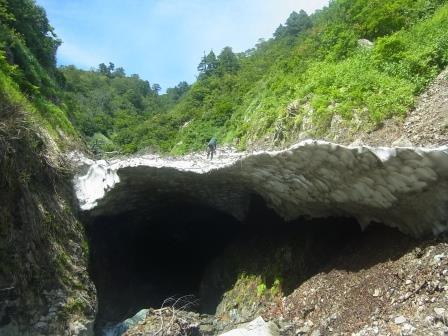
(211, 148)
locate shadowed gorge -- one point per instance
(174, 248)
(140, 258)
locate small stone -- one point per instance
(439, 311)
(400, 320)
(78, 328)
(309, 323)
(376, 293)
(418, 252)
(407, 329)
(304, 330)
(41, 326)
(365, 43)
(402, 142)
(429, 319)
(204, 329)
(408, 282)
(316, 333)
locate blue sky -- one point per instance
(162, 40)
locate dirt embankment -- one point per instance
(426, 125)
(379, 285)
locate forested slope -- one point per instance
(108, 106)
(350, 65)
(354, 63)
(29, 77)
(314, 69)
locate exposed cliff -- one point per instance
(44, 285)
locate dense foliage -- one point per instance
(109, 107)
(314, 68)
(359, 61)
(28, 73)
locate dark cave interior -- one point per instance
(140, 258)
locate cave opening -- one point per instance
(138, 259)
(174, 247)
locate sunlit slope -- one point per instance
(29, 79)
(295, 86)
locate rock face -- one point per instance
(257, 327)
(44, 284)
(405, 188)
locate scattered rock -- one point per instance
(400, 320)
(403, 141)
(316, 333)
(303, 330)
(365, 43)
(439, 311)
(41, 326)
(257, 327)
(78, 328)
(407, 329)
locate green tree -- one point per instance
(208, 65)
(295, 24)
(103, 69)
(211, 62)
(156, 88)
(227, 61)
(119, 72)
(32, 23)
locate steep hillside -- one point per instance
(425, 125)
(43, 275)
(322, 77)
(44, 287)
(350, 66)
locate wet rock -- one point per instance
(120, 328)
(41, 326)
(78, 328)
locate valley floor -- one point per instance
(377, 285)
